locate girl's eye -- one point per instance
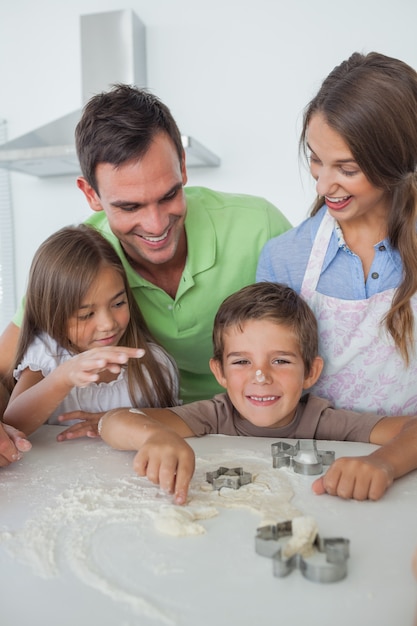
(120, 303)
(85, 317)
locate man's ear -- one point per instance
(92, 197)
(314, 374)
(184, 169)
(217, 370)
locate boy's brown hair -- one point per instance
(274, 302)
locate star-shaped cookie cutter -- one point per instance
(233, 478)
(327, 564)
(303, 457)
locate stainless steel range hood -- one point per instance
(113, 50)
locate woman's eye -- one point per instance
(349, 172)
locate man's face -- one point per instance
(145, 204)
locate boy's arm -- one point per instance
(368, 477)
(158, 436)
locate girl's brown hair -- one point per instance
(63, 269)
(371, 102)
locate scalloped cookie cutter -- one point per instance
(233, 478)
(327, 564)
(303, 457)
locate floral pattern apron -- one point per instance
(363, 370)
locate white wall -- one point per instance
(235, 73)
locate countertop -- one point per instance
(80, 544)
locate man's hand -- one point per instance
(12, 443)
(360, 478)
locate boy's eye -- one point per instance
(281, 361)
(240, 362)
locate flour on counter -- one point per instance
(73, 529)
(269, 494)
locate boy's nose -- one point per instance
(261, 377)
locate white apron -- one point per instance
(363, 370)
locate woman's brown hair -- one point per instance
(371, 102)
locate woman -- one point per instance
(355, 259)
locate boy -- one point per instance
(265, 355)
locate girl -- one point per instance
(84, 345)
(355, 259)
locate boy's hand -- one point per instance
(166, 459)
(360, 478)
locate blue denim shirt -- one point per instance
(284, 260)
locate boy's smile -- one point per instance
(263, 372)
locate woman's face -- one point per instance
(347, 192)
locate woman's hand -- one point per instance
(360, 478)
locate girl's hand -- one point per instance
(360, 478)
(86, 428)
(84, 368)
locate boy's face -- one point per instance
(268, 399)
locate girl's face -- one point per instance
(103, 315)
(348, 193)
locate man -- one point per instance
(184, 250)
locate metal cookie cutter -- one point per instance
(225, 477)
(303, 457)
(328, 564)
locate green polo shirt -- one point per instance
(225, 234)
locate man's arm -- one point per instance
(158, 436)
(8, 345)
(368, 477)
